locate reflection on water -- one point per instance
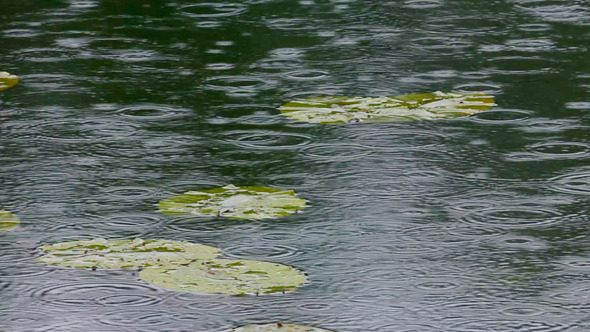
(467, 224)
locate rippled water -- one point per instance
(471, 224)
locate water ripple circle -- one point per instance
(502, 116)
(306, 75)
(313, 306)
(212, 9)
(12, 253)
(577, 263)
(552, 151)
(258, 251)
(149, 113)
(18, 271)
(212, 307)
(572, 295)
(267, 140)
(130, 193)
(577, 182)
(128, 300)
(281, 236)
(78, 130)
(507, 325)
(25, 318)
(524, 311)
(290, 24)
(423, 4)
(438, 285)
(400, 139)
(335, 151)
(520, 216)
(405, 327)
(440, 44)
(560, 149)
(82, 295)
(522, 242)
(131, 221)
(239, 86)
(135, 318)
(489, 88)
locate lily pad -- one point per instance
(236, 202)
(227, 276)
(8, 221)
(421, 106)
(279, 327)
(7, 81)
(115, 254)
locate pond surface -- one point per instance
(469, 224)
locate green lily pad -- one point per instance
(279, 327)
(236, 202)
(115, 254)
(7, 81)
(422, 106)
(8, 221)
(227, 276)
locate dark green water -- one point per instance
(470, 224)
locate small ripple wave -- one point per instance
(335, 151)
(136, 318)
(516, 216)
(213, 10)
(575, 182)
(264, 251)
(267, 140)
(151, 113)
(552, 151)
(83, 295)
(239, 86)
(502, 116)
(395, 140)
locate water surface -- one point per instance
(469, 224)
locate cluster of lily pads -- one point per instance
(417, 106)
(191, 267)
(182, 266)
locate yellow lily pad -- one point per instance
(226, 276)
(8, 221)
(116, 254)
(279, 327)
(7, 80)
(236, 202)
(420, 106)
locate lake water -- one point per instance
(470, 224)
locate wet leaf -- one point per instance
(236, 202)
(8, 221)
(279, 327)
(423, 106)
(7, 81)
(227, 277)
(114, 254)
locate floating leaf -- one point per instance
(236, 202)
(7, 81)
(279, 327)
(236, 277)
(8, 221)
(114, 254)
(423, 106)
